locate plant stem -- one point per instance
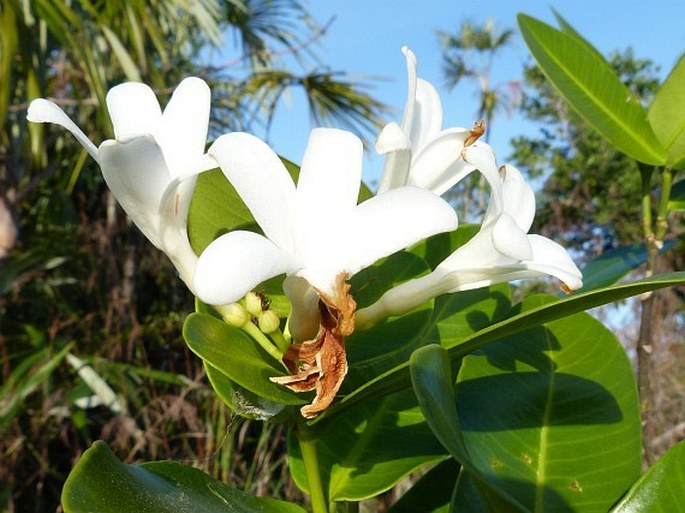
(310, 459)
(654, 234)
(263, 341)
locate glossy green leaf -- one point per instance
(661, 489)
(667, 115)
(370, 449)
(433, 384)
(567, 28)
(615, 264)
(676, 200)
(432, 493)
(590, 86)
(245, 403)
(551, 415)
(233, 353)
(100, 483)
(214, 210)
(398, 378)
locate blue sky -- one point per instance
(366, 36)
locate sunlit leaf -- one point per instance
(551, 415)
(591, 87)
(398, 378)
(661, 489)
(667, 115)
(233, 353)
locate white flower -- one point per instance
(419, 152)
(501, 251)
(152, 164)
(314, 232)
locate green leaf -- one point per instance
(398, 378)
(370, 449)
(667, 115)
(551, 415)
(613, 265)
(100, 483)
(676, 200)
(591, 87)
(661, 489)
(432, 493)
(431, 376)
(233, 353)
(438, 247)
(214, 210)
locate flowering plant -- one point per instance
(385, 337)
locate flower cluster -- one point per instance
(315, 231)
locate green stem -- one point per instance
(263, 341)
(279, 340)
(310, 459)
(662, 212)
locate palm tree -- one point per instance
(480, 43)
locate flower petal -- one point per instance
(482, 156)
(45, 111)
(395, 220)
(510, 240)
(427, 119)
(262, 182)
(136, 172)
(395, 144)
(408, 114)
(183, 131)
(518, 199)
(305, 317)
(551, 258)
(327, 193)
(234, 264)
(134, 110)
(439, 164)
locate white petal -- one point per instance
(327, 193)
(408, 115)
(262, 182)
(182, 133)
(551, 258)
(427, 120)
(510, 240)
(439, 164)
(136, 172)
(395, 144)
(483, 157)
(395, 220)
(173, 228)
(44, 111)
(134, 110)
(234, 264)
(305, 317)
(518, 198)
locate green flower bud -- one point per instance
(235, 314)
(253, 303)
(268, 322)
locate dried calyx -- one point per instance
(320, 364)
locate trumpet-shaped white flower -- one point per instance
(152, 164)
(418, 151)
(501, 251)
(314, 232)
